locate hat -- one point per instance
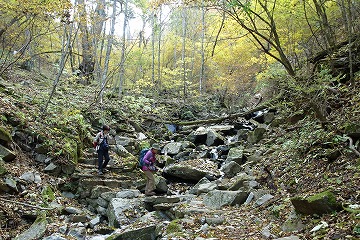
(156, 146)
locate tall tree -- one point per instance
(87, 64)
(108, 51)
(202, 69)
(123, 49)
(183, 52)
(258, 20)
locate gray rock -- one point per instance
(6, 154)
(72, 210)
(108, 195)
(122, 151)
(215, 220)
(172, 148)
(40, 158)
(11, 183)
(28, 176)
(36, 230)
(95, 221)
(101, 210)
(195, 188)
(68, 195)
(293, 223)
(122, 211)
(192, 169)
(125, 141)
(214, 138)
(263, 199)
(161, 185)
(235, 154)
(53, 169)
(217, 198)
(102, 202)
(128, 193)
(240, 181)
(256, 135)
(230, 169)
(146, 233)
(79, 218)
(249, 198)
(98, 190)
(206, 187)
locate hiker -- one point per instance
(149, 169)
(101, 145)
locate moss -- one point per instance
(328, 194)
(41, 217)
(3, 169)
(173, 227)
(5, 135)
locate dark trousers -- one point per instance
(101, 155)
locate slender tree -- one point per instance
(202, 69)
(123, 49)
(108, 50)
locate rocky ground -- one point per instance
(295, 161)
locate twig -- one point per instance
(25, 204)
(351, 146)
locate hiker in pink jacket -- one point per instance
(149, 169)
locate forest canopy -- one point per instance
(186, 48)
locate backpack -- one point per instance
(141, 157)
(104, 144)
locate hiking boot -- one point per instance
(150, 194)
(100, 173)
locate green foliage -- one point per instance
(47, 195)
(173, 227)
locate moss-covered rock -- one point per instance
(36, 230)
(6, 154)
(5, 135)
(321, 203)
(3, 169)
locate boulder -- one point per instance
(3, 169)
(230, 169)
(217, 198)
(6, 154)
(172, 148)
(214, 138)
(193, 170)
(145, 233)
(36, 230)
(122, 211)
(256, 135)
(235, 154)
(320, 203)
(5, 135)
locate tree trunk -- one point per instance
(64, 54)
(184, 22)
(108, 51)
(87, 63)
(123, 48)
(159, 51)
(202, 69)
